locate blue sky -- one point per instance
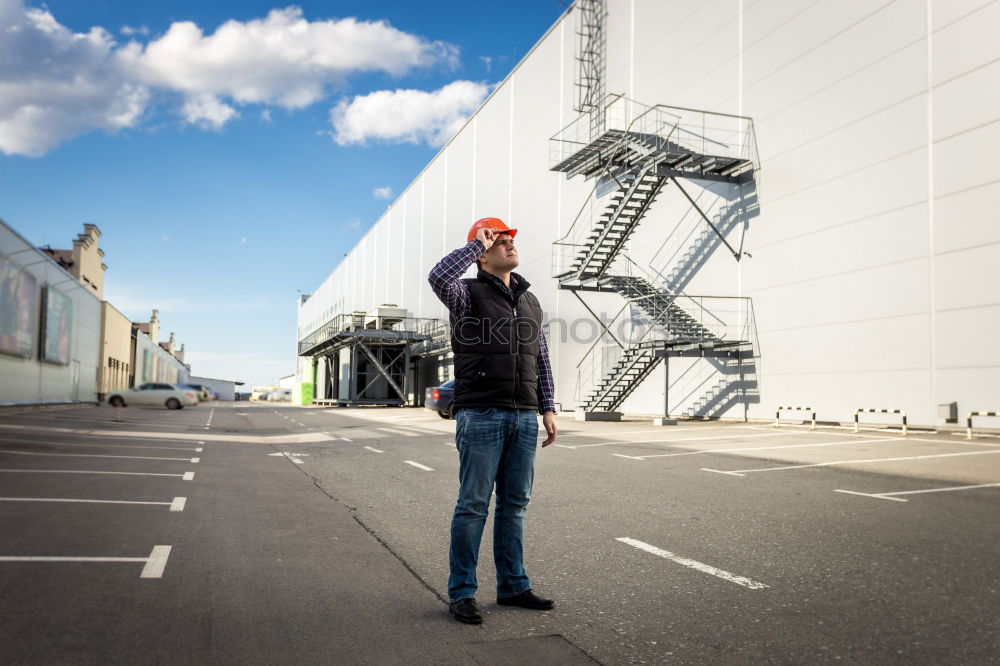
(231, 153)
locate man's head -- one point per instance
(500, 256)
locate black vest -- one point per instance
(496, 346)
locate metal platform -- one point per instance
(620, 149)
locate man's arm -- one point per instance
(445, 277)
(546, 390)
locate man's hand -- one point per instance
(549, 421)
(486, 237)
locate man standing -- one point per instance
(503, 379)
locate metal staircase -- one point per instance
(660, 307)
(627, 374)
(672, 332)
(639, 150)
(634, 197)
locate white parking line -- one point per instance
(91, 455)
(584, 433)
(186, 476)
(743, 472)
(374, 450)
(396, 431)
(753, 448)
(909, 438)
(694, 564)
(97, 445)
(155, 563)
(661, 440)
(176, 505)
(419, 466)
(109, 435)
(891, 496)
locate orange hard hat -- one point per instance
(494, 223)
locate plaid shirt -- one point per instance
(445, 281)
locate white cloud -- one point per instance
(382, 193)
(56, 84)
(281, 59)
(243, 240)
(207, 112)
(407, 116)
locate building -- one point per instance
(85, 261)
(226, 388)
(50, 327)
(726, 209)
(117, 363)
(59, 341)
(153, 360)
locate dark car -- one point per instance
(439, 399)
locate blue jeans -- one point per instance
(495, 447)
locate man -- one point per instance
(503, 379)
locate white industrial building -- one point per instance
(791, 202)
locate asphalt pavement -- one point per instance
(265, 533)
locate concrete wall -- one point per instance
(28, 379)
(876, 251)
(116, 351)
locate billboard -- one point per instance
(57, 327)
(18, 300)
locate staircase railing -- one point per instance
(635, 135)
(663, 320)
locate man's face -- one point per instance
(502, 255)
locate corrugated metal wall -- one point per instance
(877, 244)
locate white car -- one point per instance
(167, 395)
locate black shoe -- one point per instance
(465, 610)
(527, 599)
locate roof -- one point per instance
(142, 326)
(63, 257)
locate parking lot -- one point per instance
(261, 532)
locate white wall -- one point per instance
(224, 387)
(30, 380)
(876, 251)
(154, 364)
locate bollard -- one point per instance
(968, 421)
(777, 414)
(879, 411)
